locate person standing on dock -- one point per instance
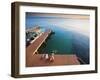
(43, 56)
(46, 56)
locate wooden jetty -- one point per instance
(58, 61)
(32, 48)
(33, 59)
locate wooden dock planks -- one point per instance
(33, 59)
(32, 48)
(59, 60)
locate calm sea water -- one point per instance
(63, 41)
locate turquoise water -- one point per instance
(63, 41)
(43, 30)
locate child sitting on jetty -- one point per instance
(51, 58)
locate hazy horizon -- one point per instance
(77, 23)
